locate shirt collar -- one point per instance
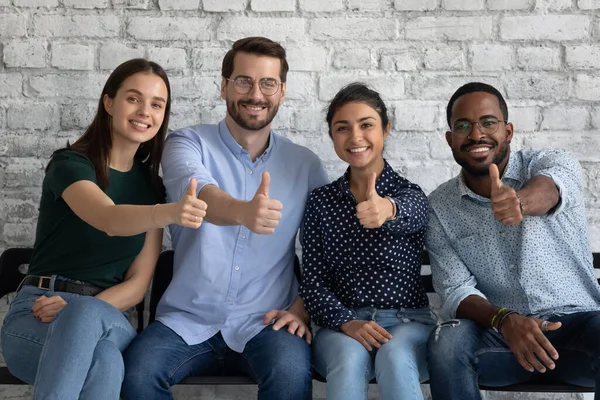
(513, 171)
(387, 175)
(235, 147)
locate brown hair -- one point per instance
(96, 142)
(255, 45)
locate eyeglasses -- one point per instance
(487, 126)
(244, 84)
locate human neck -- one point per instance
(254, 142)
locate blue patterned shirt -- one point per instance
(539, 267)
(348, 266)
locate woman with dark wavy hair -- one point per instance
(98, 237)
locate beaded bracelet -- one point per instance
(495, 317)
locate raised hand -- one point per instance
(367, 333)
(190, 210)
(375, 210)
(526, 340)
(505, 203)
(262, 214)
(45, 308)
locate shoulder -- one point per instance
(70, 159)
(195, 132)
(291, 149)
(324, 194)
(444, 193)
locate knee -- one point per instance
(110, 359)
(449, 343)
(87, 310)
(351, 361)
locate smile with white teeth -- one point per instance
(479, 150)
(254, 108)
(357, 149)
(139, 124)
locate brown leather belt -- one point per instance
(43, 282)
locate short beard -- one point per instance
(251, 124)
(483, 170)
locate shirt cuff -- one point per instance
(453, 301)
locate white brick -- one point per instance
(168, 58)
(584, 146)
(583, 57)
(545, 27)
(85, 3)
(539, 58)
(4, 3)
(18, 210)
(31, 116)
(22, 171)
(209, 59)
(368, 5)
(2, 117)
(178, 4)
(463, 5)
(13, 25)
(540, 86)
(587, 87)
(277, 29)
(509, 4)
(76, 26)
(222, 5)
(19, 144)
(112, 55)
(77, 115)
(321, 6)
(449, 28)
(588, 4)
(206, 89)
(169, 28)
(596, 117)
(183, 115)
(11, 84)
(390, 87)
(564, 118)
(87, 86)
(439, 86)
(312, 58)
(27, 54)
(36, 3)
(272, 5)
(366, 29)
(407, 59)
(416, 5)
(415, 116)
(311, 120)
(214, 114)
(444, 58)
(553, 5)
(490, 57)
(73, 56)
(18, 234)
(131, 4)
(300, 86)
(354, 58)
(524, 119)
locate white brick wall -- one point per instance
(544, 55)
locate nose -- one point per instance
(476, 133)
(144, 109)
(255, 92)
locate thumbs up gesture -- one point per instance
(190, 210)
(262, 214)
(375, 210)
(505, 203)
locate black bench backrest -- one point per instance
(10, 261)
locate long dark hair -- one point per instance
(96, 142)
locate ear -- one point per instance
(509, 131)
(283, 90)
(386, 130)
(108, 103)
(223, 88)
(449, 138)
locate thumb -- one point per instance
(270, 316)
(264, 184)
(495, 177)
(371, 191)
(191, 190)
(552, 326)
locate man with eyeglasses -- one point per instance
(232, 307)
(511, 260)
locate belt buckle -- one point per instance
(40, 282)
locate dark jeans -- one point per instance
(461, 356)
(158, 358)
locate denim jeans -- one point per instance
(159, 358)
(399, 365)
(76, 356)
(461, 355)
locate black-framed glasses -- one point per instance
(487, 126)
(244, 84)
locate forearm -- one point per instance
(298, 308)
(477, 309)
(222, 209)
(130, 220)
(125, 294)
(539, 195)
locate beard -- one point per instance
(251, 123)
(481, 170)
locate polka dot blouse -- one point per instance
(348, 266)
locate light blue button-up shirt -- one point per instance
(226, 278)
(542, 266)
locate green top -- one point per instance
(65, 245)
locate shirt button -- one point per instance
(237, 267)
(249, 172)
(229, 299)
(243, 236)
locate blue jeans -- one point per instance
(159, 358)
(462, 355)
(76, 356)
(399, 365)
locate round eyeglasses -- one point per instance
(487, 126)
(244, 84)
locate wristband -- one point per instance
(510, 312)
(520, 204)
(394, 208)
(495, 317)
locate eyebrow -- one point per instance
(346, 122)
(482, 117)
(140, 94)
